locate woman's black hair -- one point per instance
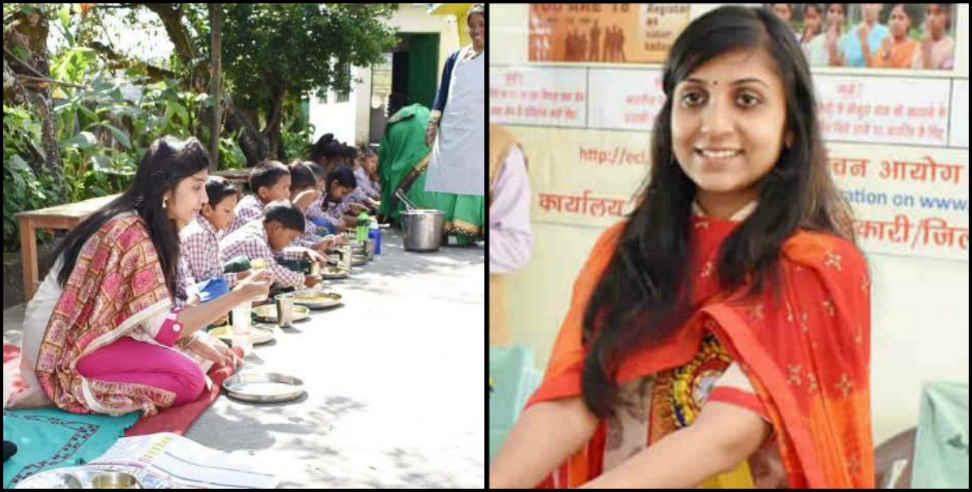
(344, 175)
(266, 174)
(301, 176)
(286, 214)
(166, 162)
(218, 188)
(396, 101)
(642, 297)
(317, 151)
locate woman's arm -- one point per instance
(543, 437)
(720, 438)
(510, 239)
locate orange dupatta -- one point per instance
(806, 353)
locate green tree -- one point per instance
(272, 51)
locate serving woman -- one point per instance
(720, 335)
(103, 333)
(456, 133)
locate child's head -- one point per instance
(340, 182)
(222, 202)
(283, 223)
(367, 159)
(301, 178)
(270, 181)
(317, 154)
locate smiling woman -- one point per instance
(728, 315)
(99, 333)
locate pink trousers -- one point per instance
(131, 361)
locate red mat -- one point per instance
(175, 419)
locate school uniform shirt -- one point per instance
(318, 209)
(312, 233)
(249, 208)
(251, 240)
(185, 282)
(365, 188)
(199, 244)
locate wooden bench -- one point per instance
(65, 216)
(239, 177)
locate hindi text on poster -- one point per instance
(538, 96)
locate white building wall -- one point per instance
(349, 121)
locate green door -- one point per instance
(423, 68)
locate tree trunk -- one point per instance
(216, 22)
(253, 143)
(31, 33)
(272, 131)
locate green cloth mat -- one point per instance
(49, 438)
(514, 380)
(942, 441)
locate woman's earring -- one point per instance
(165, 203)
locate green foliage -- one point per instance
(22, 190)
(102, 134)
(295, 132)
(230, 154)
(295, 48)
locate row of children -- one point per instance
(296, 212)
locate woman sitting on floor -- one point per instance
(102, 333)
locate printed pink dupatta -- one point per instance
(117, 284)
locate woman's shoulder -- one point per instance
(823, 250)
(125, 229)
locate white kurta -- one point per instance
(458, 162)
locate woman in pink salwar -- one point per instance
(104, 334)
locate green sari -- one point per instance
(402, 163)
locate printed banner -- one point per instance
(906, 200)
(910, 201)
(871, 109)
(605, 32)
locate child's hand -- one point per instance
(316, 257)
(310, 280)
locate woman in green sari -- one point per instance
(403, 160)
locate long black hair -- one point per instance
(641, 299)
(166, 162)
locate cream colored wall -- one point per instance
(920, 307)
(349, 121)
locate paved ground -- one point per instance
(394, 381)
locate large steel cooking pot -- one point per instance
(422, 229)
